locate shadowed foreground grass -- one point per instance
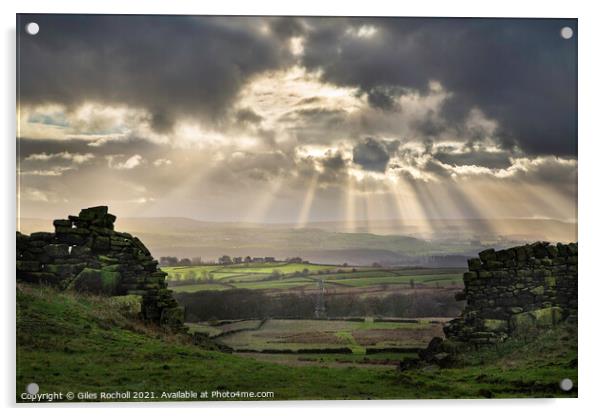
(69, 342)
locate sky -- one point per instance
(297, 119)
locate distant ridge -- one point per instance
(385, 241)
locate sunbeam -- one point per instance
(350, 219)
(307, 202)
(260, 207)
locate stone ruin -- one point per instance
(515, 291)
(512, 292)
(86, 254)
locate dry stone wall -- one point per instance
(515, 291)
(86, 254)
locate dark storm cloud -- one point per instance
(333, 162)
(248, 116)
(371, 154)
(520, 72)
(287, 27)
(238, 168)
(334, 168)
(383, 97)
(432, 166)
(28, 147)
(323, 117)
(563, 174)
(170, 65)
(492, 160)
(429, 126)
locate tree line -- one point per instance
(248, 304)
(173, 261)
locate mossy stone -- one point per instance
(57, 250)
(108, 260)
(113, 268)
(495, 325)
(539, 290)
(538, 318)
(550, 281)
(172, 316)
(96, 281)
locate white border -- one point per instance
(590, 149)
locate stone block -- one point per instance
(82, 232)
(59, 269)
(93, 213)
(487, 255)
(78, 251)
(538, 291)
(521, 254)
(494, 264)
(62, 223)
(39, 277)
(42, 236)
(539, 318)
(552, 251)
(141, 246)
(495, 325)
(172, 316)
(470, 276)
(119, 242)
(107, 259)
(474, 264)
(550, 281)
(113, 267)
(104, 231)
(57, 250)
(28, 266)
(101, 243)
(540, 252)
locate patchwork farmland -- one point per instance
(351, 342)
(279, 299)
(281, 276)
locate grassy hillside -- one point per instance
(71, 342)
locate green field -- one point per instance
(430, 280)
(285, 334)
(213, 330)
(199, 286)
(221, 272)
(73, 342)
(289, 276)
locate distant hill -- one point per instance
(484, 230)
(413, 242)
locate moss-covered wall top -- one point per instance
(85, 253)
